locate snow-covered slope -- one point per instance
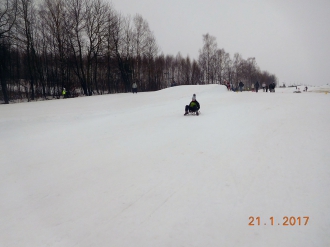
(131, 170)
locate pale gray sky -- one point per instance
(290, 38)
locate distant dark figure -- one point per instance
(266, 89)
(67, 93)
(241, 85)
(256, 85)
(228, 86)
(134, 88)
(306, 88)
(194, 106)
(272, 87)
(64, 93)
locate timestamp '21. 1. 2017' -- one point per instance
(286, 221)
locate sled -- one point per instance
(193, 113)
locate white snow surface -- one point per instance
(131, 170)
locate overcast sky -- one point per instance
(289, 38)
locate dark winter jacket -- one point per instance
(241, 84)
(257, 85)
(194, 105)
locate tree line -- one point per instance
(88, 47)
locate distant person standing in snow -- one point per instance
(134, 87)
(228, 86)
(252, 87)
(257, 86)
(241, 85)
(64, 93)
(306, 88)
(194, 106)
(263, 86)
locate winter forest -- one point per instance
(89, 47)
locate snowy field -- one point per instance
(131, 170)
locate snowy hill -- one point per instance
(131, 170)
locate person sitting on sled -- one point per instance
(193, 106)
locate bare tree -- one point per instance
(267, 78)
(221, 58)
(140, 34)
(151, 51)
(75, 27)
(195, 73)
(251, 70)
(53, 18)
(168, 72)
(26, 34)
(96, 28)
(159, 69)
(207, 58)
(111, 44)
(187, 71)
(237, 68)
(228, 70)
(8, 14)
(117, 41)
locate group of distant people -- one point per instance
(254, 87)
(298, 89)
(270, 87)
